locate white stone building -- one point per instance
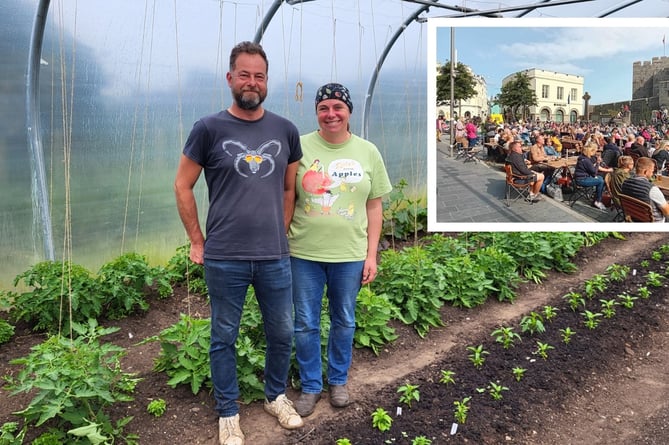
(559, 95)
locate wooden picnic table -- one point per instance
(663, 184)
(569, 162)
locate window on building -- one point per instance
(573, 94)
(560, 93)
(544, 91)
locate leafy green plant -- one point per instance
(532, 323)
(506, 336)
(574, 299)
(56, 293)
(518, 373)
(446, 377)
(627, 300)
(403, 216)
(381, 420)
(6, 331)
(414, 284)
(592, 319)
(618, 272)
(656, 255)
(644, 292)
(608, 307)
(461, 410)
(10, 434)
(372, 313)
(566, 334)
(421, 440)
(644, 263)
(74, 380)
(180, 269)
(495, 390)
(157, 407)
(408, 394)
(597, 283)
(501, 268)
(542, 349)
(122, 282)
(654, 279)
(550, 312)
(477, 355)
(343, 441)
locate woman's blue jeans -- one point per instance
(227, 282)
(597, 182)
(341, 282)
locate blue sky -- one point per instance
(600, 50)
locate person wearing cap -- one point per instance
(333, 238)
(249, 156)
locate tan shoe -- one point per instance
(339, 396)
(229, 432)
(283, 409)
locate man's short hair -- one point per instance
(247, 47)
(643, 164)
(513, 144)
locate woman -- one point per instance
(661, 156)
(472, 133)
(586, 172)
(620, 175)
(333, 238)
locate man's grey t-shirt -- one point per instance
(244, 165)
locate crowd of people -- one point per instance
(626, 152)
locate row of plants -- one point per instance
(61, 297)
(592, 303)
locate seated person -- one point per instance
(519, 167)
(639, 147)
(611, 153)
(556, 143)
(549, 149)
(661, 156)
(641, 188)
(620, 175)
(538, 159)
(586, 172)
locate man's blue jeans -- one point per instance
(597, 182)
(228, 282)
(341, 282)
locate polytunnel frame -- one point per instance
(40, 203)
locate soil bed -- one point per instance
(608, 386)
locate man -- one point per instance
(519, 167)
(249, 156)
(539, 159)
(641, 188)
(610, 153)
(639, 147)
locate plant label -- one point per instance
(454, 429)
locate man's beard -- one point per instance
(250, 102)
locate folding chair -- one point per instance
(471, 153)
(587, 192)
(517, 185)
(636, 210)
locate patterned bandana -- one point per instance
(334, 91)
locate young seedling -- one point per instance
(381, 420)
(157, 407)
(506, 336)
(477, 355)
(409, 394)
(645, 263)
(609, 307)
(618, 272)
(644, 292)
(461, 410)
(566, 333)
(343, 441)
(550, 312)
(421, 440)
(656, 255)
(542, 349)
(653, 279)
(533, 323)
(495, 390)
(591, 319)
(575, 300)
(446, 377)
(595, 284)
(627, 301)
(518, 373)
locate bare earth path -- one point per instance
(624, 403)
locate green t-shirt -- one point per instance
(334, 182)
